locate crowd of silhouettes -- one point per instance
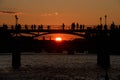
(74, 26)
(19, 27)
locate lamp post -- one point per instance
(16, 18)
(16, 55)
(105, 19)
(100, 20)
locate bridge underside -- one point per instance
(35, 34)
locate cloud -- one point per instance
(50, 14)
(10, 12)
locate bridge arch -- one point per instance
(65, 36)
(80, 34)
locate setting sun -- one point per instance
(58, 39)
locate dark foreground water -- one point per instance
(58, 67)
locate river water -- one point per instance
(45, 58)
(58, 67)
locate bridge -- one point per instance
(104, 39)
(36, 31)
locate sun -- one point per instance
(58, 39)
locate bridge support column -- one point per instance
(16, 60)
(16, 55)
(103, 60)
(71, 52)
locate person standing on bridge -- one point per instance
(63, 26)
(77, 26)
(34, 27)
(26, 27)
(12, 27)
(31, 27)
(41, 27)
(48, 27)
(112, 26)
(80, 27)
(73, 26)
(18, 28)
(83, 27)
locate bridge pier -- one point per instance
(103, 60)
(71, 52)
(16, 55)
(103, 56)
(16, 60)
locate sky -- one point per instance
(56, 12)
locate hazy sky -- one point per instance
(59, 11)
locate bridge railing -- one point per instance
(55, 27)
(45, 27)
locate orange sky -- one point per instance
(59, 11)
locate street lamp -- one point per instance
(16, 18)
(105, 19)
(100, 20)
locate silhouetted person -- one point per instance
(73, 26)
(99, 27)
(12, 27)
(119, 27)
(18, 28)
(5, 27)
(32, 27)
(112, 27)
(26, 27)
(80, 27)
(77, 26)
(63, 26)
(105, 27)
(83, 26)
(48, 27)
(41, 27)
